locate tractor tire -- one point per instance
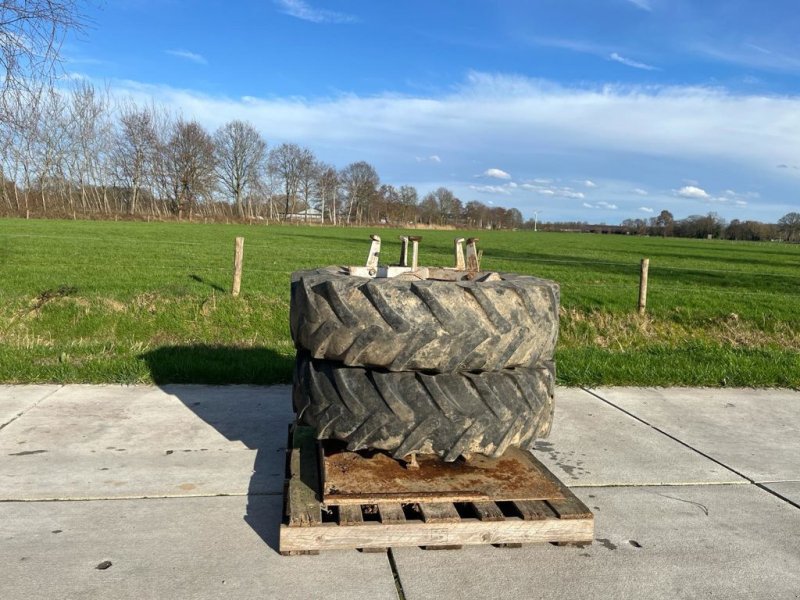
(448, 414)
(425, 325)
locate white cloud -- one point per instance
(302, 10)
(714, 129)
(490, 189)
(546, 190)
(646, 209)
(741, 203)
(434, 158)
(741, 195)
(74, 76)
(631, 63)
(544, 187)
(589, 183)
(690, 191)
(607, 205)
(748, 55)
(643, 4)
(601, 205)
(512, 185)
(190, 56)
(581, 46)
(496, 174)
(640, 191)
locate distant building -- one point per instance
(310, 214)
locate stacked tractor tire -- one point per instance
(408, 365)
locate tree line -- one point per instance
(694, 226)
(712, 224)
(65, 154)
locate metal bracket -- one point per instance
(374, 251)
(459, 251)
(473, 259)
(466, 269)
(415, 240)
(403, 251)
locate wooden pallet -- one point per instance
(311, 525)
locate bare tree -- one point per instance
(429, 208)
(240, 154)
(789, 226)
(449, 206)
(390, 208)
(309, 172)
(31, 33)
(285, 164)
(17, 136)
(440, 205)
(476, 213)
(50, 142)
(665, 222)
(359, 182)
(327, 189)
(408, 200)
(191, 166)
(90, 130)
(135, 152)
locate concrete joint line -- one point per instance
(105, 498)
(658, 484)
(750, 480)
(396, 575)
(32, 406)
(778, 495)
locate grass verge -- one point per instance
(147, 302)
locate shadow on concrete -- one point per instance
(257, 417)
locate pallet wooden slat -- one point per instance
(391, 513)
(350, 515)
(570, 508)
(488, 511)
(466, 532)
(303, 505)
(439, 512)
(534, 510)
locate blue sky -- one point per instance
(596, 110)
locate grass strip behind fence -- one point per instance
(150, 302)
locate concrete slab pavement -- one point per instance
(177, 548)
(191, 443)
(755, 432)
(16, 399)
(143, 441)
(716, 541)
(788, 489)
(593, 443)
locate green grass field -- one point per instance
(148, 302)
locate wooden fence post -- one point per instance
(238, 255)
(643, 285)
